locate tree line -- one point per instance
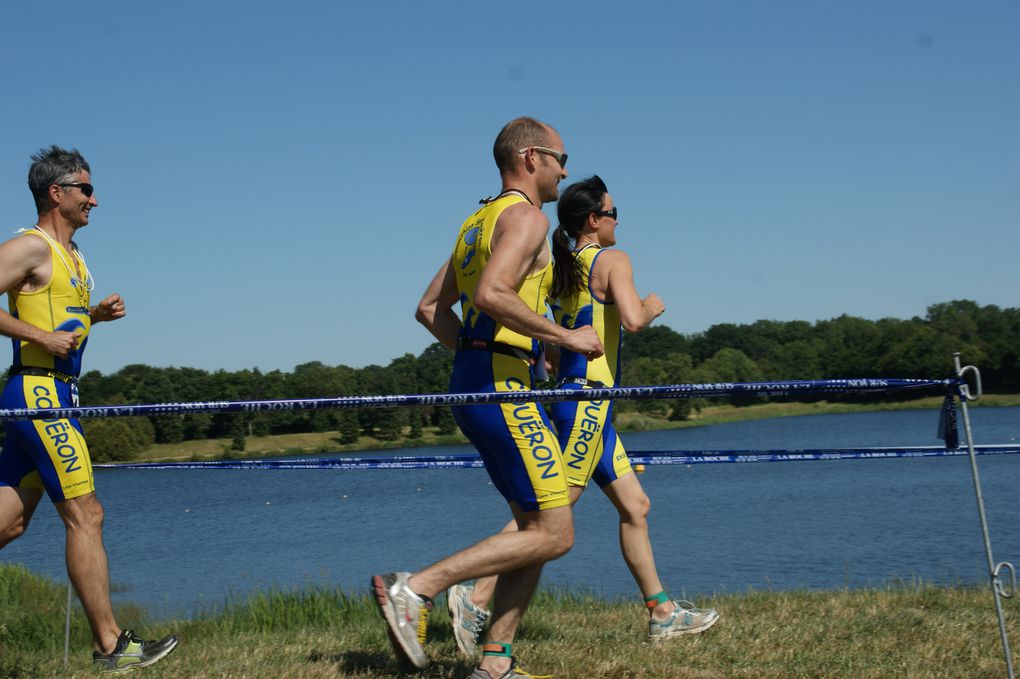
(847, 346)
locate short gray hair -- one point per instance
(53, 166)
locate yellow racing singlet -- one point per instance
(581, 308)
(516, 441)
(61, 304)
(591, 447)
(470, 254)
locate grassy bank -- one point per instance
(287, 444)
(728, 413)
(908, 630)
(329, 442)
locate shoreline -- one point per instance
(323, 443)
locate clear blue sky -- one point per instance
(277, 182)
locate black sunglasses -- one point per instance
(606, 213)
(83, 187)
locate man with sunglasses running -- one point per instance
(500, 271)
(49, 287)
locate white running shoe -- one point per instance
(685, 619)
(406, 614)
(468, 620)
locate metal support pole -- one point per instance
(67, 625)
(994, 571)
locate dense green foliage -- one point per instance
(987, 336)
(847, 346)
(119, 438)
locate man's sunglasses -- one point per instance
(83, 187)
(606, 213)
(561, 158)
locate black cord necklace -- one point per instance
(484, 201)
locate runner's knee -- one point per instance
(564, 543)
(553, 531)
(559, 539)
(83, 513)
(13, 530)
(16, 511)
(635, 509)
(643, 505)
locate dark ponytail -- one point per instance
(577, 202)
(566, 271)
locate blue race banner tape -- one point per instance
(649, 457)
(713, 390)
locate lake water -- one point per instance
(181, 540)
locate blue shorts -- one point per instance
(48, 455)
(516, 442)
(591, 447)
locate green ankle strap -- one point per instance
(497, 648)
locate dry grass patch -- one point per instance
(911, 630)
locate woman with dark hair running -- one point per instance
(594, 285)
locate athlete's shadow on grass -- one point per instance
(359, 661)
(442, 664)
(352, 660)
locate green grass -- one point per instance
(286, 444)
(903, 630)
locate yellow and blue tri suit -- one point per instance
(515, 440)
(48, 454)
(591, 446)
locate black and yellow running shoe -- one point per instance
(132, 651)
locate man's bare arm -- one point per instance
(19, 259)
(435, 308)
(521, 240)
